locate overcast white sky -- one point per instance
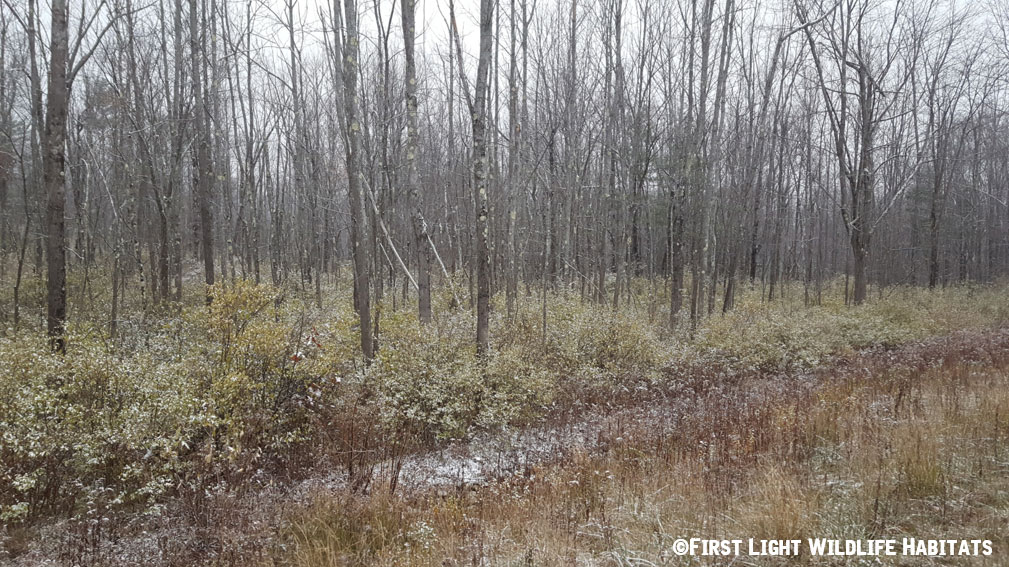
(431, 21)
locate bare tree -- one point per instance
(871, 59)
(422, 241)
(345, 55)
(53, 158)
(203, 169)
(477, 103)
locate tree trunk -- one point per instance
(346, 68)
(479, 112)
(54, 177)
(202, 164)
(860, 255)
(421, 240)
(933, 246)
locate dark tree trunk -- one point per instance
(53, 174)
(203, 166)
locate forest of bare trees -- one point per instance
(433, 283)
(699, 145)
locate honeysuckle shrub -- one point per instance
(187, 393)
(90, 427)
(209, 391)
(429, 381)
(784, 334)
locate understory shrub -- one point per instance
(186, 393)
(782, 334)
(103, 428)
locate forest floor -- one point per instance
(888, 421)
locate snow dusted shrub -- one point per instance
(785, 334)
(213, 390)
(267, 371)
(429, 380)
(583, 336)
(617, 342)
(516, 389)
(90, 430)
